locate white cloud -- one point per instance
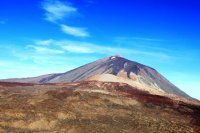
(44, 42)
(74, 31)
(88, 48)
(34, 60)
(49, 54)
(78, 49)
(57, 10)
(45, 50)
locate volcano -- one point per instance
(130, 71)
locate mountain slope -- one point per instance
(114, 65)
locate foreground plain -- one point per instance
(92, 106)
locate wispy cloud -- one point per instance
(57, 10)
(74, 31)
(24, 61)
(44, 56)
(80, 47)
(45, 50)
(103, 49)
(88, 48)
(44, 42)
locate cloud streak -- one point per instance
(56, 10)
(45, 50)
(44, 42)
(74, 31)
(79, 47)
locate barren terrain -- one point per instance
(92, 106)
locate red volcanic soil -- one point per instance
(129, 91)
(146, 97)
(13, 84)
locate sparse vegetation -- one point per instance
(75, 108)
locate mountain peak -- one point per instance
(114, 65)
(117, 55)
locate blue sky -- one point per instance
(50, 36)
